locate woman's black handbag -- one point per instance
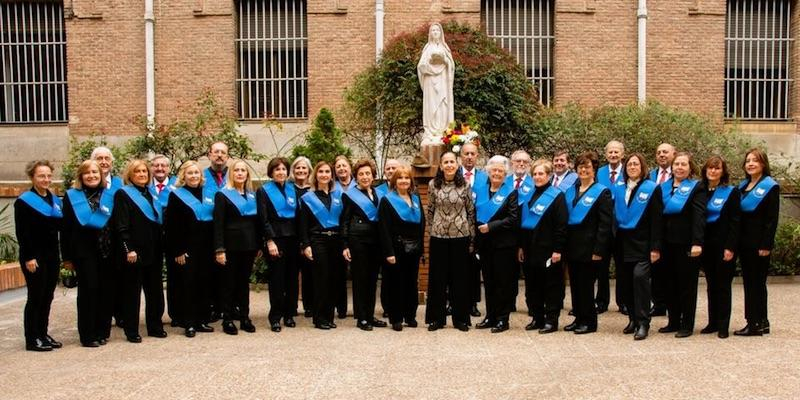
(410, 246)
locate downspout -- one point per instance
(641, 14)
(150, 87)
(378, 51)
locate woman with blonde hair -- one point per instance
(237, 240)
(188, 227)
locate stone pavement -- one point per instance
(352, 364)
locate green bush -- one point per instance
(8, 243)
(80, 150)
(785, 258)
(323, 141)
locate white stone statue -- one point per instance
(435, 71)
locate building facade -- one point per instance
(77, 67)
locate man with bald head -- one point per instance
(665, 153)
(388, 171)
(105, 160)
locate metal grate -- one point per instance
(758, 47)
(525, 29)
(272, 41)
(33, 63)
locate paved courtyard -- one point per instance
(352, 364)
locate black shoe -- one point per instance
(275, 327)
(190, 332)
(412, 323)
(708, 329)
(247, 326)
(571, 327)
(52, 342)
(213, 316)
(174, 323)
(229, 327)
(630, 328)
(158, 334)
(364, 325)
(289, 322)
(534, 325)
(641, 332)
(204, 328)
(583, 329)
(623, 309)
(461, 326)
(308, 314)
(93, 343)
(332, 325)
(683, 333)
(135, 338)
(600, 308)
(501, 326)
(668, 329)
(485, 324)
(448, 310)
(385, 314)
(342, 315)
(571, 313)
(435, 326)
(378, 323)
(102, 341)
(475, 312)
(657, 312)
(722, 334)
(765, 327)
(41, 345)
(548, 328)
(322, 325)
(749, 330)
(398, 326)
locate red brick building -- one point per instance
(75, 67)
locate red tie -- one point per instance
(519, 181)
(468, 175)
(613, 177)
(663, 177)
(160, 187)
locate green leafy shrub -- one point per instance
(80, 150)
(323, 141)
(785, 258)
(8, 243)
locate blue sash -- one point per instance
(412, 213)
(151, 211)
(203, 211)
(628, 215)
(531, 216)
(338, 186)
(161, 199)
(327, 218)
(717, 202)
(751, 200)
(382, 190)
(604, 179)
(567, 181)
(86, 217)
(654, 174)
(674, 202)
(578, 212)
(526, 188)
(211, 188)
(284, 206)
(37, 203)
(485, 207)
(247, 208)
(364, 203)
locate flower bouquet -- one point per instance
(455, 137)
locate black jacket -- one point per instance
(308, 224)
(232, 230)
(688, 227)
(392, 228)
(724, 233)
(77, 241)
(550, 234)
(593, 235)
(355, 226)
(503, 226)
(759, 226)
(637, 243)
(37, 235)
(273, 225)
(184, 233)
(135, 231)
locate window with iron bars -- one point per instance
(33, 63)
(525, 29)
(272, 76)
(758, 46)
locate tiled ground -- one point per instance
(348, 363)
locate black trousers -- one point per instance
(327, 269)
(214, 289)
(499, 277)
(475, 283)
(306, 268)
(174, 287)
(341, 286)
(96, 287)
(193, 289)
(754, 277)
(41, 285)
(401, 287)
(633, 278)
(283, 284)
(365, 264)
(543, 286)
(136, 278)
(383, 297)
(602, 276)
(719, 275)
(235, 290)
(658, 284)
(682, 276)
(450, 277)
(582, 275)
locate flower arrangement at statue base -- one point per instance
(455, 136)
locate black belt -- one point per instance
(326, 233)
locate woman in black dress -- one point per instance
(401, 225)
(237, 241)
(86, 248)
(300, 176)
(188, 226)
(37, 216)
(760, 206)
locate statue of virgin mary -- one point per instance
(435, 71)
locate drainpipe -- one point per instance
(641, 14)
(378, 51)
(150, 88)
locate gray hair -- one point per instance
(299, 160)
(498, 160)
(101, 149)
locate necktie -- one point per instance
(519, 181)
(160, 187)
(663, 177)
(218, 177)
(613, 177)
(556, 181)
(468, 176)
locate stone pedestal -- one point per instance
(431, 153)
